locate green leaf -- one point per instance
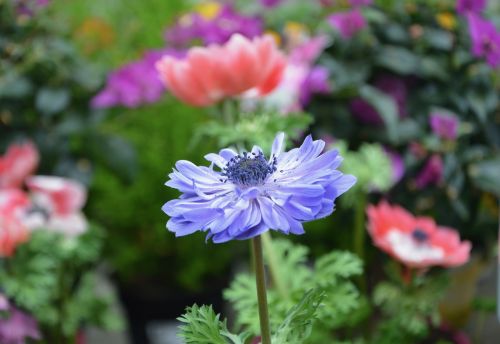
(486, 175)
(385, 106)
(202, 326)
(438, 39)
(52, 100)
(300, 318)
(399, 60)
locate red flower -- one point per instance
(210, 74)
(19, 162)
(415, 241)
(12, 234)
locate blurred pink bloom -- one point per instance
(270, 3)
(13, 199)
(17, 326)
(485, 39)
(63, 196)
(316, 82)
(348, 23)
(19, 162)
(210, 74)
(445, 126)
(397, 164)
(62, 200)
(474, 6)
(12, 233)
(301, 79)
(431, 173)
(416, 242)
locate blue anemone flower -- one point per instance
(248, 194)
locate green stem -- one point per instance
(260, 280)
(360, 233)
(274, 266)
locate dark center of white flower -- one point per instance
(419, 235)
(249, 169)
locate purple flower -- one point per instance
(135, 83)
(308, 51)
(431, 173)
(347, 23)
(443, 125)
(270, 3)
(217, 30)
(357, 3)
(485, 39)
(474, 6)
(17, 326)
(394, 87)
(316, 82)
(250, 194)
(29, 7)
(397, 163)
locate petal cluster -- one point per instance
(301, 185)
(485, 39)
(16, 326)
(51, 203)
(19, 162)
(415, 241)
(210, 74)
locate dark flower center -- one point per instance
(420, 235)
(249, 169)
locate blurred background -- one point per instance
(399, 87)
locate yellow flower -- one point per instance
(94, 34)
(295, 33)
(208, 10)
(446, 20)
(276, 36)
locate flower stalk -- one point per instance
(260, 280)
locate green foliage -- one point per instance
(409, 310)
(255, 129)
(362, 163)
(203, 326)
(329, 281)
(51, 277)
(298, 323)
(142, 247)
(45, 89)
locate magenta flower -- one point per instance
(485, 39)
(316, 82)
(431, 173)
(397, 164)
(394, 87)
(443, 125)
(17, 326)
(270, 3)
(467, 6)
(193, 27)
(348, 23)
(135, 83)
(251, 194)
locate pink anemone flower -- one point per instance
(19, 162)
(12, 234)
(210, 74)
(63, 200)
(417, 242)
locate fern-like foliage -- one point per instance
(255, 128)
(202, 326)
(52, 278)
(330, 277)
(408, 310)
(299, 321)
